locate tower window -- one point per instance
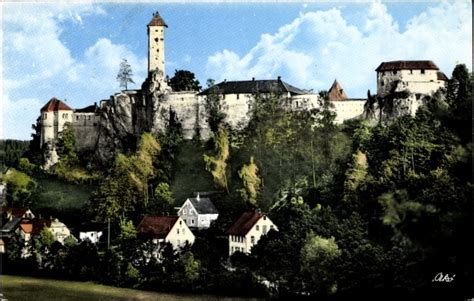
(156, 39)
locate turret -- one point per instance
(156, 44)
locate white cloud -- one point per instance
(36, 62)
(319, 46)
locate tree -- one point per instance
(251, 181)
(213, 106)
(66, 145)
(125, 74)
(318, 257)
(217, 164)
(20, 187)
(184, 80)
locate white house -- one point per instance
(59, 230)
(247, 231)
(198, 212)
(93, 236)
(163, 229)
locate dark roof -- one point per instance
(16, 212)
(254, 86)
(245, 222)
(156, 226)
(442, 76)
(336, 93)
(157, 20)
(403, 65)
(55, 104)
(10, 225)
(89, 109)
(203, 205)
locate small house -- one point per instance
(247, 231)
(34, 227)
(198, 212)
(164, 229)
(93, 236)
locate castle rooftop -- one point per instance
(336, 93)
(404, 65)
(55, 104)
(254, 86)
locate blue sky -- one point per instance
(72, 51)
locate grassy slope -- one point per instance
(190, 175)
(26, 289)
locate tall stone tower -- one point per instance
(156, 44)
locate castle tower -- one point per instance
(54, 115)
(156, 44)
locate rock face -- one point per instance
(391, 106)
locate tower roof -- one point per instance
(336, 93)
(55, 104)
(157, 20)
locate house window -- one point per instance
(264, 218)
(422, 71)
(264, 229)
(271, 227)
(192, 221)
(257, 228)
(252, 239)
(185, 211)
(177, 231)
(180, 222)
(45, 115)
(183, 230)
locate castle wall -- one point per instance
(53, 124)
(413, 80)
(86, 130)
(236, 107)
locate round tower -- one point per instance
(156, 44)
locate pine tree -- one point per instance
(125, 74)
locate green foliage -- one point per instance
(125, 74)
(126, 188)
(318, 256)
(20, 188)
(184, 80)
(66, 145)
(251, 182)
(213, 106)
(46, 237)
(25, 166)
(11, 151)
(217, 164)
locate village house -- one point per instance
(165, 229)
(28, 229)
(247, 231)
(11, 218)
(93, 236)
(198, 212)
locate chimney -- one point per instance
(253, 79)
(197, 197)
(279, 77)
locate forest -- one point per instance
(361, 208)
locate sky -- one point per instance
(73, 51)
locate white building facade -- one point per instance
(247, 231)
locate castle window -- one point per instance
(89, 117)
(238, 95)
(411, 71)
(77, 117)
(422, 71)
(156, 39)
(45, 116)
(394, 71)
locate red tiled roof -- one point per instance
(1, 242)
(35, 226)
(156, 226)
(55, 104)
(442, 76)
(157, 20)
(245, 222)
(336, 93)
(403, 65)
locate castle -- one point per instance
(108, 126)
